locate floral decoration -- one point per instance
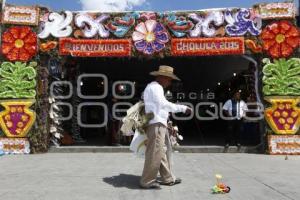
(57, 25)
(179, 26)
(242, 22)
(277, 10)
(284, 115)
(284, 144)
(121, 25)
(253, 46)
(17, 119)
(14, 145)
(25, 15)
(19, 43)
(91, 27)
(95, 48)
(280, 39)
(281, 77)
(207, 46)
(150, 36)
(205, 25)
(17, 80)
(47, 46)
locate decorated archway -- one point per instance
(31, 35)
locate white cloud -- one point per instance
(110, 5)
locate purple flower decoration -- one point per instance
(150, 37)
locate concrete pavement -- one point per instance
(181, 149)
(115, 176)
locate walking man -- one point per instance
(155, 155)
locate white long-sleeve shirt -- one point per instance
(241, 108)
(156, 102)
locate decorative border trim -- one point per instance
(284, 144)
(31, 11)
(270, 10)
(15, 145)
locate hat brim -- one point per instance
(158, 73)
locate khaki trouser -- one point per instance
(155, 156)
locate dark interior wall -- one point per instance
(195, 72)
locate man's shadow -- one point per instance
(123, 180)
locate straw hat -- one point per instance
(165, 70)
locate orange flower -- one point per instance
(280, 39)
(19, 43)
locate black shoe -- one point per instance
(152, 186)
(177, 181)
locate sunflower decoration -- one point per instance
(19, 43)
(280, 39)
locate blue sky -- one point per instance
(155, 5)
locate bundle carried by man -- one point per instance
(134, 123)
(136, 119)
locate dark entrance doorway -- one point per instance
(210, 79)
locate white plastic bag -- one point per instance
(137, 144)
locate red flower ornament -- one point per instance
(280, 39)
(19, 43)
